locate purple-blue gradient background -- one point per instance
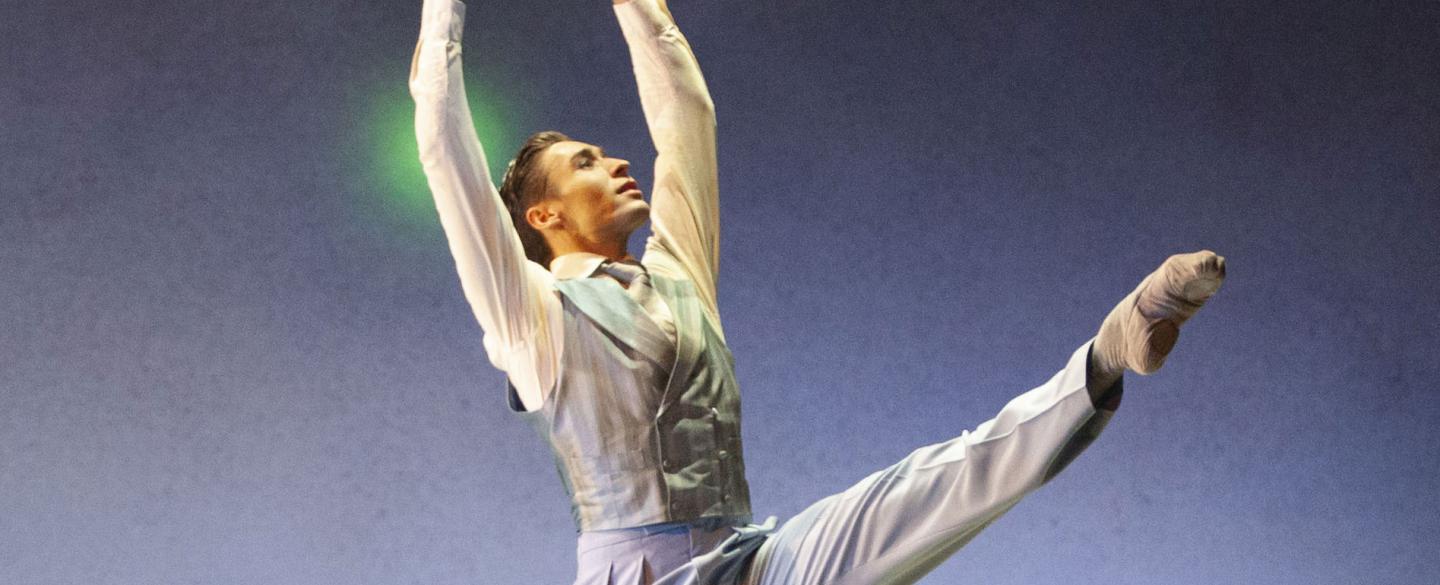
(229, 354)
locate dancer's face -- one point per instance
(593, 197)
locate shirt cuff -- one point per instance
(442, 20)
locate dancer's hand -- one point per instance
(663, 7)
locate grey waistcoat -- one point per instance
(643, 431)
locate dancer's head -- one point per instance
(566, 196)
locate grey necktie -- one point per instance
(637, 281)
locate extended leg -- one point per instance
(898, 524)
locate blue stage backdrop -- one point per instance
(234, 349)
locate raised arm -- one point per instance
(508, 293)
(685, 207)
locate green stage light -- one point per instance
(385, 159)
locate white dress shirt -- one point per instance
(513, 298)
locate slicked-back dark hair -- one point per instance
(524, 186)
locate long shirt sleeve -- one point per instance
(511, 296)
(684, 202)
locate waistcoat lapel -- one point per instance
(608, 306)
(685, 309)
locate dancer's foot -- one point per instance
(1140, 332)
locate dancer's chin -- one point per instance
(635, 215)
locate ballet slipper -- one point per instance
(1139, 333)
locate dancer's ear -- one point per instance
(544, 215)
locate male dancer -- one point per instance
(622, 367)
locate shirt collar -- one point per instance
(577, 265)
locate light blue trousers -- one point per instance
(891, 528)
